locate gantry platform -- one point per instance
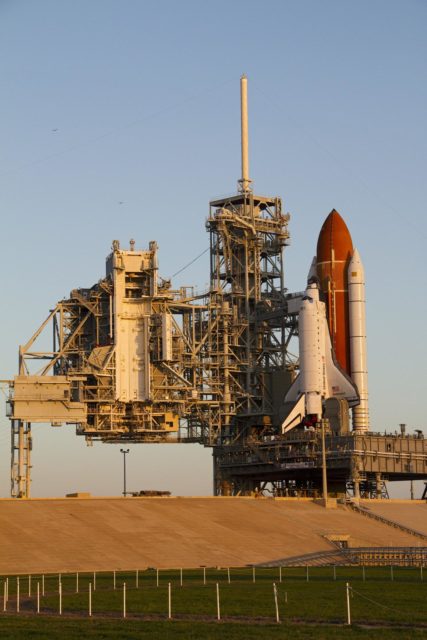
(356, 464)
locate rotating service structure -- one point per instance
(134, 360)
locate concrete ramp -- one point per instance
(408, 513)
(74, 534)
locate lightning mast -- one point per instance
(245, 181)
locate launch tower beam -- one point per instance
(247, 236)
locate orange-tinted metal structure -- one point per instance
(334, 250)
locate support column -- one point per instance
(216, 473)
(356, 484)
(378, 485)
(324, 469)
(20, 470)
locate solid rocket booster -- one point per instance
(357, 334)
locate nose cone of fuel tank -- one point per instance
(334, 243)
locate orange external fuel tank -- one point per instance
(334, 251)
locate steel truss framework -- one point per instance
(247, 236)
(215, 368)
(228, 347)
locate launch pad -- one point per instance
(357, 465)
(134, 360)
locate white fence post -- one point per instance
(90, 599)
(124, 599)
(276, 602)
(347, 586)
(169, 600)
(38, 597)
(4, 595)
(77, 582)
(7, 590)
(157, 577)
(228, 575)
(17, 595)
(204, 575)
(60, 598)
(253, 574)
(218, 607)
(180, 577)
(59, 580)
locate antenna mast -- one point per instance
(245, 181)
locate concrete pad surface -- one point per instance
(60, 535)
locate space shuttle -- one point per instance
(320, 375)
(332, 334)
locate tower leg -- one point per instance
(20, 470)
(379, 485)
(216, 474)
(356, 484)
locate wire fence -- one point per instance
(275, 595)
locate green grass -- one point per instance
(247, 607)
(325, 601)
(54, 628)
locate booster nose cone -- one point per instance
(334, 251)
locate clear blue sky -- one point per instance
(145, 99)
